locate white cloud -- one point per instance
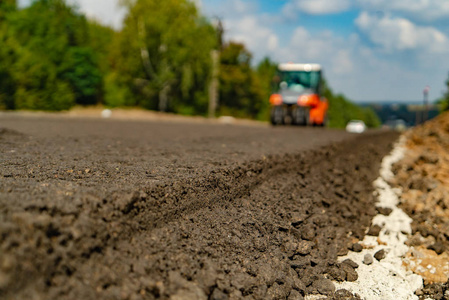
(398, 34)
(314, 7)
(234, 8)
(254, 34)
(427, 10)
(363, 73)
(342, 62)
(334, 53)
(242, 24)
(423, 10)
(345, 62)
(322, 7)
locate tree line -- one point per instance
(53, 58)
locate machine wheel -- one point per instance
(277, 115)
(325, 121)
(300, 116)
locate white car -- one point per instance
(356, 126)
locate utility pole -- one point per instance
(214, 84)
(426, 103)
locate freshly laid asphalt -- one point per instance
(115, 209)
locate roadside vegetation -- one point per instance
(53, 58)
(443, 103)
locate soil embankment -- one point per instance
(103, 209)
(423, 176)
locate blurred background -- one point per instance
(384, 62)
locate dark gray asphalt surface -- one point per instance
(107, 209)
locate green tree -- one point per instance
(265, 71)
(6, 7)
(7, 83)
(370, 118)
(101, 43)
(241, 91)
(81, 70)
(7, 56)
(163, 56)
(51, 63)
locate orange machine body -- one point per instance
(298, 97)
(318, 113)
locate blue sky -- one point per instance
(371, 50)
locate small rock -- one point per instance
(235, 294)
(296, 283)
(343, 248)
(218, 295)
(368, 259)
(295, 295)
(236, 233)
(304, 247)
(307, 277)
(259, 292)
(423, 230)
(300, 262)
(290, 248)
(343, 295)
(356, 247)
(351, 274)
(386, 211)
(337, 274)
(374, 230)
(379, 255)
(277, 291)
(308, 233)
(324, 286)
(438, 247)
(350, 262)
(428, 158)
(297, 218)
(267, 273)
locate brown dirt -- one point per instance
(104, 209)
(423, 177)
